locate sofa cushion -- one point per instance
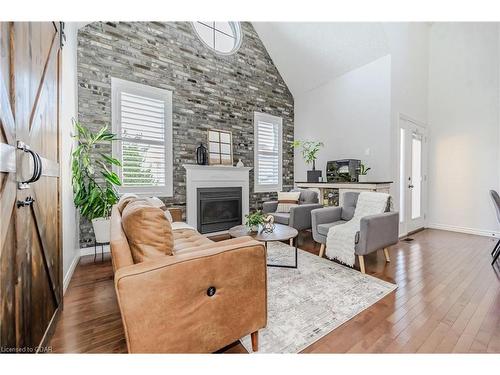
(281, 217)
(324, 228)
(180, 225)
(148, 231)
(213, 245)
(187, 238)
(287, 200)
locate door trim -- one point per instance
(404, 226)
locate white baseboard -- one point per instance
(79, 253)
(453, 228)
(90, 250)
(69, 274)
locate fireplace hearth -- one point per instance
(218, 208)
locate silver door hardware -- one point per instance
(37, 166)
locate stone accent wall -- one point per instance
(209, 90)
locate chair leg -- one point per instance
(322, 250)
(361, 259)
(255, 341)
(386, 253)
(496, 257)
(495, 248)
(291, 241)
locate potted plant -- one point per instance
(94, 198)
(254, 220)
(310, 151)
(363, 173)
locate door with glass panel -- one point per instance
(412, 175)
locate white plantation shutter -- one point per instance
(142, 119)
(267, 154)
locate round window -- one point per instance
(221, 37)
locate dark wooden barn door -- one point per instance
(30, 249)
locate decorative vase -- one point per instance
(363, 178)
(240, 164)
(313, 176)
(254, 228)
(201, 155)
(102, 229)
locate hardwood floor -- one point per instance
(448, 300)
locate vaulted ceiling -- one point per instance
(308, 55)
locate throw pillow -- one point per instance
(168, 215)
(287, 200)
(148, 231)
(124, 200)
(155, 202)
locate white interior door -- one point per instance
(413, 175)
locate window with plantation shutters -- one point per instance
(267, 153)
(142, 120)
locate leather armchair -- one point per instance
(300, 216)
(376, 231)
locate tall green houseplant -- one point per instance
(94, 183)
(309, 152)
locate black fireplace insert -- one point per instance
(218, 208)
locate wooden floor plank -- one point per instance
(490, 325)
(422, 330)
(448, 299)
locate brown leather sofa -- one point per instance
(202, 298)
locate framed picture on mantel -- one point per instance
(220, 147)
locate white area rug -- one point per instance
(306, 303)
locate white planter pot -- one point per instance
(363, 178)
(102, 229)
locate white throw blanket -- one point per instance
(340, 241)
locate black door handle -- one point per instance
(37, 164)
(27, 202)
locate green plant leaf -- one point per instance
(111, 160)
(93, 197)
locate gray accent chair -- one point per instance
(300, 216)
(376, 231)
(496, 203)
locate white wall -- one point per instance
(68, 112)
(349, 114)
(353, 109)
(408, 43)
(464, 123)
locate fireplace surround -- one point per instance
(206, 177)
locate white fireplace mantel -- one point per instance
(206, 176)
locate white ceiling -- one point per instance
(309, 54)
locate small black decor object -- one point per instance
(201, 155)
(313, 176)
